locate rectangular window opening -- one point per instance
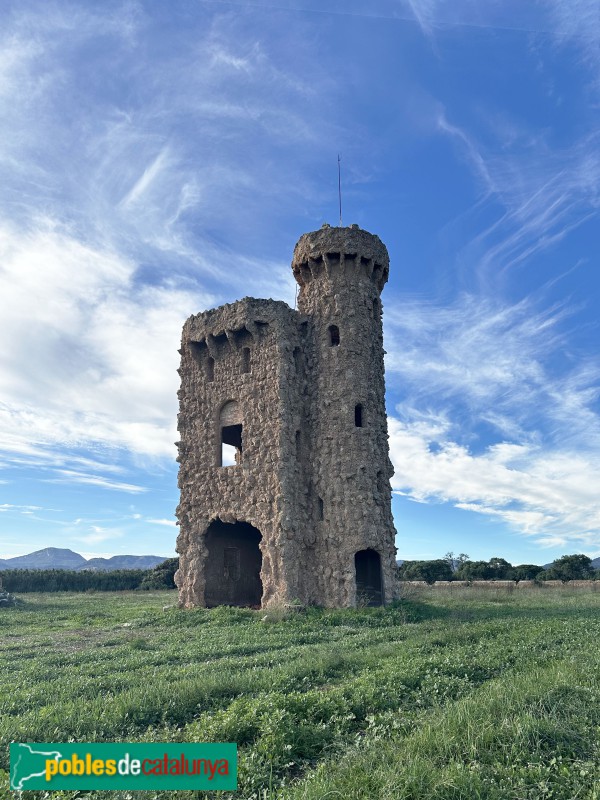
(210, 369)
(246, 359)
(334, 335)
(320, 511)
(358, 415)
(231, 445)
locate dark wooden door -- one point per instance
(369, 584)
(233, 565)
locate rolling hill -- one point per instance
(59, 558)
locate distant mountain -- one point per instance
(50, 558)
(58, 558)
(122, 562)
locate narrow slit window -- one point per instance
(210, 369)
(298, 444)
(320, 508)
(334, 335)
(297, 362)
(358, 415)
(231, 445)
(246, 359)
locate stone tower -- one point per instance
(284, 466)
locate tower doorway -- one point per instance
(369, 582)
(233, 565)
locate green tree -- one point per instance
(496, 569)
(162, 576)
(455, 562)
(526, 572)
(63, 580)
(430, 571)
(474, 571)
(570, 568)
(500, 569)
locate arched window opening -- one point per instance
(246, 359)
(230, 427)
(334, 335)
(210, 369)
(369, 581)
(358, 415)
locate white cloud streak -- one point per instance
(535, 492)
(104, 249)
(492, 361)
(99, 534)
(474, 364)
(169, 523)
(70, 476)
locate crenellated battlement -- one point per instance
(348, 251)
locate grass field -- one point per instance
(439, 697)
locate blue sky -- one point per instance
(157, 159)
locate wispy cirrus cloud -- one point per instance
(99, 534)
(494, 363)
(22, 509)
(499, 412)
(471, 367)
(93, 212)
(544, 194)
(71, 476)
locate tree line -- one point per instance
(461, 568)
(65, 580)
(449, 568)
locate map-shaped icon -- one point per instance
(28, 763)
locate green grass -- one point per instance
(441, 697)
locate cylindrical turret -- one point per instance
(341, 272)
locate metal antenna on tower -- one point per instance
(340, 187)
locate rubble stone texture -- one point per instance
(302, 513)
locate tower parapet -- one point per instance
(338, 253)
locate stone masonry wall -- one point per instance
(341, 272)
(313, 475)
(257, 490)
